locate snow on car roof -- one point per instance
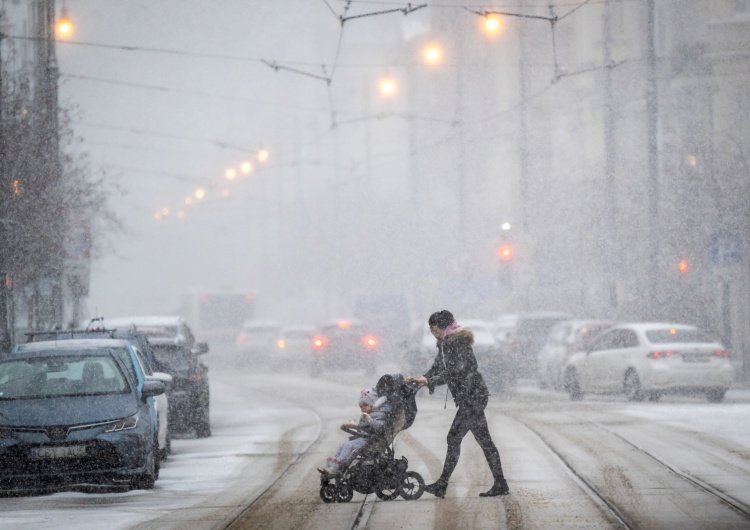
(144, 321)
(73, 344)
(646, 326)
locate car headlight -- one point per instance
(122, 425)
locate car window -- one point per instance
(173, 358)
(145, 368)
(126, 360)
(605, 341)
(624, 338)
(60, 376)
(678, 335)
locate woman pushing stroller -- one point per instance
(375, 411)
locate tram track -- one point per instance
(735, 504)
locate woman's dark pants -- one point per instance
(471, 418)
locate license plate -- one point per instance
(73, 451)
(696, 357)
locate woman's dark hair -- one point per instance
(441, 319)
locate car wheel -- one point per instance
(203, 423)
(716, 395)
(573, 385)
(632, 386)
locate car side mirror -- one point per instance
(161, 376)
(202, 347)
(152, 388)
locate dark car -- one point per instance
(177, 354)
(525, 340)
(345, 344)
(74, 416)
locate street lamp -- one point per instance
(493, 24)
(230, 174)
(200, 193)
(64, 27)
(432, 54)
(263, 155)
(246, 168)
(387, 87)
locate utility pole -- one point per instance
(613, 258)
(652, 187)
(47, 298)
(523, 152)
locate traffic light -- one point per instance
(505, 253)
(505, 269)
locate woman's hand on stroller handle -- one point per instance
(419, 381)
(348, 426)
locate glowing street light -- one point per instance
(263, 155)
(188, 200)
(432, 54)
(200, 193)
(246, 168)
(165, 211)
(64, 27)
(180, 214)
(387, 87)
(493, 24)
(230, 174)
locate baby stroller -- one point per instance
(376, 469)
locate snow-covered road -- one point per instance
(602, 462)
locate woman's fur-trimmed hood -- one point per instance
(461, 334)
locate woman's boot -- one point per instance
(500, 487)
(437, 488)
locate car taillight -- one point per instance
(370, 342)
(661, 354)
(318, 343)
(243, 337)
(195, 377)
(722, 353)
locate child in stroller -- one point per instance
(372, 466)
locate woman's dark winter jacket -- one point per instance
(456, 366)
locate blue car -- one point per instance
(72, 413)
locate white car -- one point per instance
(565, 339)
(650, 359)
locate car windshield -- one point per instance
(173, 357)
(678, 335)
(74, 375)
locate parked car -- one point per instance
(74, 415)
(565, 339)
(257, 343)
(345, 344)
(177, 354)
(524, 342)
(139, 367)
(651, 359)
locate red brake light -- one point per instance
(660, 354)
(243, 337)
(722, 353)
(371, 342)
(318, 342)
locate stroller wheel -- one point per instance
(412, 486)
(344, 492)
(328, 493)
(387, 492)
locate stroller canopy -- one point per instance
(401, 397)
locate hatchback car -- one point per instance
(344, 344)
(75, 416)
(651, 359)
(565, 339)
